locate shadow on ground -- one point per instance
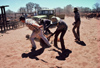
(81, 43)
(33, 54)
(63, 55)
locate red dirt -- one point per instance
(13, 44)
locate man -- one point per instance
(61, 28)
(76, 25)
(46, 24)
(36, 31)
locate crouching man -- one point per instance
(36, 31)
(61, 28)
(46, 24)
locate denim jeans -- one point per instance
(40, 35)
(61, 38)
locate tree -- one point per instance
(37, 7)
(59, 10)
(97, 7)
(84, 9)
(68, 9)
(29, 7)
(9, 11)
(87, 9)
(22, 10)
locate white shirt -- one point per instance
(29, 23)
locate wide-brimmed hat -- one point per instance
(75, 9)
(54, 17)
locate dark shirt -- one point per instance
(77, 16)
(47, 22)
(61, 25)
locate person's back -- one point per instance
(29, 23)
(77, 16)
(62, 25)
(47, 22)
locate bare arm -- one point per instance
(40, 26)
(52, 34)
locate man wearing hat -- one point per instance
(61, 28)
(76, 25)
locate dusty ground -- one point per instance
(13, 44)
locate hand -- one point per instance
(73, 23)
(40, 26)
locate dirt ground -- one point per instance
(15, 48)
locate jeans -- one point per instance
(39, 34)
(61, 38)
(77, 32)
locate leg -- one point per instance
(56, 37)
(33, 35)
(44, 27)
(62, 40)
(78, 31)
(47, 29)
(75, 35)
(44, 38)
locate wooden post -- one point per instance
(3, 17)
(3, 13)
